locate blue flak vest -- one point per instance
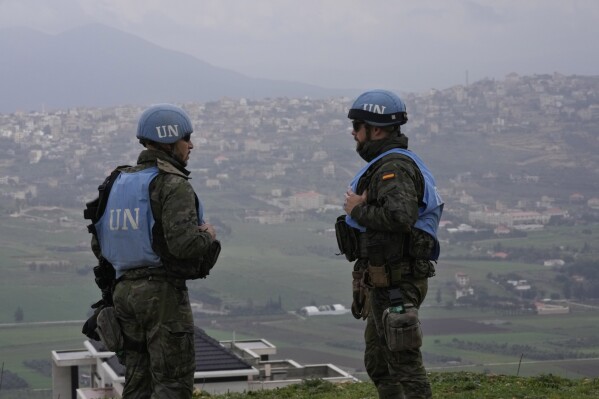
(125, 229)
(429, 214)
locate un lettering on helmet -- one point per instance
(163, 123)
(379, 108)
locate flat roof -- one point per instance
(66, 358)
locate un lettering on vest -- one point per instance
(123, 219)
(374, 108)
(167, 131)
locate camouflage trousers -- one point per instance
(156, 319)
(396, 375)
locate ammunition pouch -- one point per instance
(389, 275)
(348, 239)
(402, 330)
(421, 245)
(378, 276)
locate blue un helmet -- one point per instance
(379, 108)
(163, 123)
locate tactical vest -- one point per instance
(124, 230)
(429, 214)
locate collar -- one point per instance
(147, 156)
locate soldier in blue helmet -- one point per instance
(390, 231)
(150, 230)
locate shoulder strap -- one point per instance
(95, 209)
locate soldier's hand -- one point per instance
(356, 310)
(352, 199)
(208, 228)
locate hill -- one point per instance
(445, 386)
(95, 66)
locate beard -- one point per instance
(179, 158)
(360, 145)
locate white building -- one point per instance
(227, 366)
(307, 200)
(323, 310)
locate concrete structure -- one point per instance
(228, 366)
(549, 309)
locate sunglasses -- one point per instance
(186, 138)
(357, 125)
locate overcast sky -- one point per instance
(409, 45)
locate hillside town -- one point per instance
(295, 155)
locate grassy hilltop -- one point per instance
(461, 385)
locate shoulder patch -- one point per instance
(388, 176)
(168, 168)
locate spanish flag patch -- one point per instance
(388, 176)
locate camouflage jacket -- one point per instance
(395, 187)
(175, 233)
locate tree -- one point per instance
(19, 315)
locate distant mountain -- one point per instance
(100, 66)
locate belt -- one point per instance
(151, 274)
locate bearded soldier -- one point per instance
(390, 231)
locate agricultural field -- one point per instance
(46, 266)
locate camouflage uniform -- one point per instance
(152, 305)
(388, 215)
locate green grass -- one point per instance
(573, 236)
(460, 385)
(32, 342)
(276, 259)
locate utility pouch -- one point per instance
(378, 276)
(109, 330)
(402, 330)
(421, 244)
(347, 239)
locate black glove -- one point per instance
(89, 327)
